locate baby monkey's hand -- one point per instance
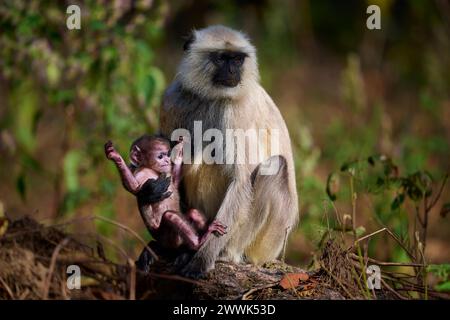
(111, 153)
(178, 151)
(217, 228)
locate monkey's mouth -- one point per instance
(227, 82)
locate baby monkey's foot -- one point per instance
(217, 228)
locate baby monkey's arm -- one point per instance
(177, 162)
(128, 180)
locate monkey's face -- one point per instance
(228, 66)
(219, 62)
(158, 158)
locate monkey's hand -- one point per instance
(201, 263)
(111, 153)
(154, 190)
(178, 153)
(217, 228)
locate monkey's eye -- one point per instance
(216, 58)
(161, 156)
(239, 60)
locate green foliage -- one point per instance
(96, 83)
(380, 177)
(63, 93)
(442, 271)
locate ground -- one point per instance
(34, 260)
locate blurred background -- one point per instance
(346, 92)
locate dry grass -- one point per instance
(34, 260)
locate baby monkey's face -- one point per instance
(158, 158)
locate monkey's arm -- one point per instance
(128, 180)
(177, 164)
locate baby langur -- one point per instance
(150, 160)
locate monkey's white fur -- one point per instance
(259, 210)
(195, 68)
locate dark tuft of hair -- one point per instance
(189, 40)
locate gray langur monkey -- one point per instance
(218, 84)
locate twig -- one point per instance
(433, 203)
(353, 195)
(7, 288)
(441, 295)
(246, 295)
(115, 245)
(24, 294)
(337, 280)
(391, 234)
(398, 295)
(286, 234)
(369, 235)
(419, 218)
(381, 263)
(132, 279)
(117, 224)
(180, 278)
(52, 267)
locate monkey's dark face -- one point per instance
(228, 67)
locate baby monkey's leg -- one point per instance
(188, 233)
(197, 219)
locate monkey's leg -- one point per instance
(232, 213)
(275, 213)
(197, 219)
(190, 237)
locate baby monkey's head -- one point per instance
(151, 152)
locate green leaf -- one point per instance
(371, 160)
(398, 201)
(443, 287)
(349, 165)
(73, 199)
(71, 163)
(419, 185)
(30, 162)
(97, 25)
(440, 270)
(53, 73)
(360, 231)
(25, 101)
(63, 96)
(106, 210)
(332, 186)
(390, 168)
(21, 186)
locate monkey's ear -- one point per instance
(136, 156)
(189, 40)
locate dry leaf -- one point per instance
(291, 280)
